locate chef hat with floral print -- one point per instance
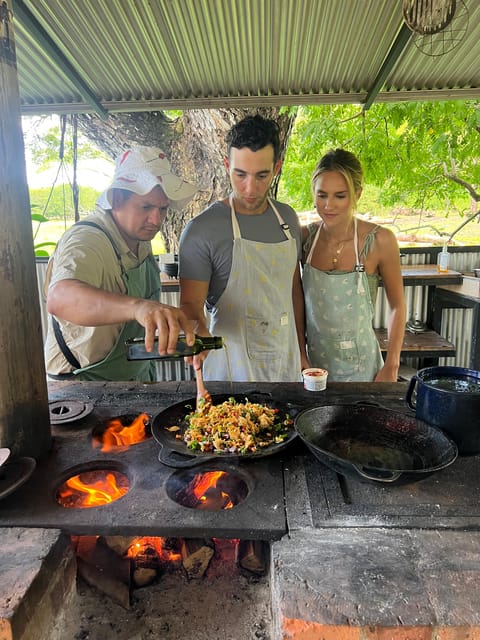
(140, 169)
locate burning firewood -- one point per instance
(251, 555)
(196, 556)
(145, 561)
(119, 544)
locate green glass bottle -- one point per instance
(136, 348)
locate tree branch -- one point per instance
(471, 190)
(464, 223)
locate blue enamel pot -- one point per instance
(449, 398)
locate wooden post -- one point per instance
(24, 414)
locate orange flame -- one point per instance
(158, 545)
(105, 488)
(120, 436)
(204, 488)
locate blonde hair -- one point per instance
(345, 163)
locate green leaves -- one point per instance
(404, 149)
(37, 217)
(40, 252)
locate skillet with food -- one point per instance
(170, 425)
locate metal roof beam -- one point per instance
(391, 60)
(48, 45)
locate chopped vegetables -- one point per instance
(235, 427)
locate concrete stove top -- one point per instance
(146, 509)
(447, 499)
(290, 490)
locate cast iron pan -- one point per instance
(174, 452)
(374, 443)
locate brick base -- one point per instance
(301, 630)
(376, 584)
(37, 582)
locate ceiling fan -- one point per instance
(438, 26)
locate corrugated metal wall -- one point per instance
(456, 323)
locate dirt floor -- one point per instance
(231, 606)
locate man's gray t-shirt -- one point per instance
(206, 243)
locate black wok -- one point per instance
(175, 453)
(373, 443)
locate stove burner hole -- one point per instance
(118, 434)
(207, 490)
(92, 488)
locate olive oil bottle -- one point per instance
(136, 348)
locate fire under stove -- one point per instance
(284, 492)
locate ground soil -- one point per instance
(227, 605)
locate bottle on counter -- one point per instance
(443, 259)
(136, 348)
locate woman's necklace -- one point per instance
(338, 250)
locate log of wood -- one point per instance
(252, 556)
(143, 576)
(196, 556)
(146, 553)
(114, 589)
(104, 569)
(119, 544)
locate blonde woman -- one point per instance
(344, 258)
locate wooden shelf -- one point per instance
(425, 275)
(428, 344)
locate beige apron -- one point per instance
(255, 313)
(338, 318)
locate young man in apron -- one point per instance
(103, 282)
(240, 259)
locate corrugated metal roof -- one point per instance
(130, 55)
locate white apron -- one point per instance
(255, 314)
(339, 321)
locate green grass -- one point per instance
(431, 228)
(410, 228)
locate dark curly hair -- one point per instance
(255, 132)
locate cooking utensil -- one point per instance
(14, 474)
(373, 443)
(4, 455)
(448, 398)
(174, 452)
(204, 399)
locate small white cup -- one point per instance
(315, 379)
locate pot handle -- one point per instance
(408, 396)
(379, 476)
(179, 461)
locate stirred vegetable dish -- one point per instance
(234, 427)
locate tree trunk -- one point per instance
(195, 142)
